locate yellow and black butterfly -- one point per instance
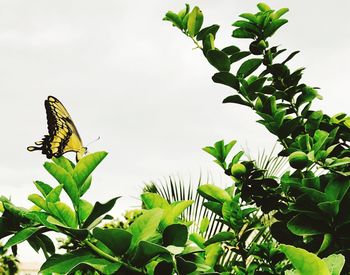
(63, 136)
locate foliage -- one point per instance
(310, 210)
(305, 209)
(8, 262)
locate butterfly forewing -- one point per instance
(63, 136)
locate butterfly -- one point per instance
(63, 136)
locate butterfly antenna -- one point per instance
(93, 141)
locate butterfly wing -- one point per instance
(63, 135)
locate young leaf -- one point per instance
(54, 195)
(195, 21)
(63, 213)
(263, 7)
(43, 187)
(154, 200)
(63, 177)
(145, 226)
(174, 18)
(304, 261)
(85, 167)
(84, 210)
(212, 192)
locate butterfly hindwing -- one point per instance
(63, 136)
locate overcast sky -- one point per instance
(133, 79)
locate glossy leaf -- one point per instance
(248, 67)
(302, 225)
(64, 264)
(227, 79)
(145, 226)
(212, 192)
(98, 210)
(175, 234)
(86, 165)
(63, 213)
(304, 261)
(63, 177)
(117, 240)
(21, 236)
(146, 251)
(219, 60)
(236, 99)
(195, 21)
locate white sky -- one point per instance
(129, 77)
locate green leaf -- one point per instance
(85, 186)
(63, 177)
(64, 163)
(195, 21)
(214, 207)
(220, 237)
(63, 213)
(247, 26)
(219, 60)
(335, 263)
(249, 16)
(21, 236)
(238, 56)
(243, 33)
(227, 79)
(99, 210)
(230, 50)
(54, 195)
(212, 192)
(117, 240)
(274, 26)
(172, 212)
(208, 43)
(84, 210)
(175, 19)
(204, 225)
(175, 234)
(153, 200)
(206, 31)
(248, 67)
(330, 207)
(43, 187)
(37, 200)
(145, 226)
(236, 99)
(185, 267)
(304, 261)
(263, 7)
(279, 13)
(66, 263)
(302, 225)
(146, 251)
(85, 167)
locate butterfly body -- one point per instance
(63, 136)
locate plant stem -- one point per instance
(109, 257)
